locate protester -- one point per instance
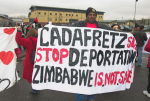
(140, 37)
(115, 27)
(30, 44)
(19, 49)
(147, 48)
(147, 91)
(90, 22)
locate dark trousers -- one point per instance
(148, 86)
(81, 97)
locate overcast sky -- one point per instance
(114, 9)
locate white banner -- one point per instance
(7, 57)
(83, 60)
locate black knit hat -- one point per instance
(142, 27)
(90, 9)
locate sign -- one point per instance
(8, 74)
(83, 60)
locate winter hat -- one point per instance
(142, 27)
(90, 9)
(36, 20)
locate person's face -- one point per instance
(116, 27)
(137, 28)
(91, 17)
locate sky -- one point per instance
(114, 9)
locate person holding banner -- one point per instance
(30, 44)
(90, 22)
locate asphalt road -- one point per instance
(21, 90)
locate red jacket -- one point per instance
(148, 62)
(30, 45)
(18, 52)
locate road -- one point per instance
(21, 90)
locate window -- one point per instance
(100, 17)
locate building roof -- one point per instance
(32, 8)
(117, 21)
(3, 15)
(17, 19)
(108, 21)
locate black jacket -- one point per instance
(99, 25)
(140, 37)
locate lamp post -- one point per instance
(135, 11)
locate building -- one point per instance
(5, 21)
(17, 19)
(58, 15)
(126, 25)
(144, 21)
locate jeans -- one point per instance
(139, 57)
(81, 97)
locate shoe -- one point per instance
(145, 92)
(34, 91)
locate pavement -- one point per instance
(21, 90)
